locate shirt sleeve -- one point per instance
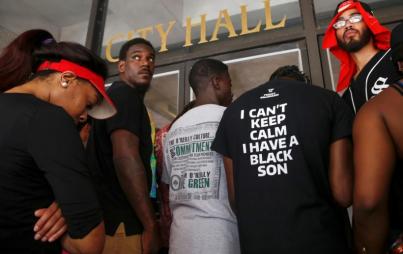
(56, 148)
(342, 120)
(221, 140)
(129, 111)
(165, 178)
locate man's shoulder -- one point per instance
(284, 89)
(199, 115)
(120, 90)
(381, 61)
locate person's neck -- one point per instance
(205, 99)
(34, 87)
(141, 92)
(363, 56)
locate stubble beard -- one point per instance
(353, 45)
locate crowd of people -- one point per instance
(272, 172)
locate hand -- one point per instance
(51, 224)
(150, 241)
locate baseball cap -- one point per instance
(106, 107)
(345, 4)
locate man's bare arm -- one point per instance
(133, 180)
(373, 157)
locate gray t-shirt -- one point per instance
(203, 221)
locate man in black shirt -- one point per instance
(286, 151)
(361, 44)
(119, 151)
(378, 156)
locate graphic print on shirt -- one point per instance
(379, 76)
(379, 85)
(192, 160)
(270, 144)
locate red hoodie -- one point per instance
(348, 68)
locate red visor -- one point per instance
(102, 110)
(381, 36)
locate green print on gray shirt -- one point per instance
(191, 158)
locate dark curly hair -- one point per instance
(290, 72)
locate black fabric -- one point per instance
(41, 160)
(397, 36)
(398, 86)
(132, 116)
(291, 210)
(377, 75)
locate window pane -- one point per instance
(255, 67)
(66, 20)
(162, 98)
(250, 72)
(128, 19)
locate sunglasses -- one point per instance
(355, 18)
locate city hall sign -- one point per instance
(223, 22)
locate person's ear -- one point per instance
(215, 81)
(66, 78)
(121, 66)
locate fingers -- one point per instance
(49, 223)
(56, 231)
(44, 214)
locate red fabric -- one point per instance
(80, 71)
(101, 111)
(348, 68)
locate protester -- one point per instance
(202, 220)
(378, 157)
(118, 152)
(47, 89)
(361, 44)
(287, 156)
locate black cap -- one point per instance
(365, 6)
(396, 43)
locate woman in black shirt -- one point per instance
(47, 88)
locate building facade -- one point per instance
(254, 37)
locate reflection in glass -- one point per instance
(162, 98)
(249, 72)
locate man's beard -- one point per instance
(356, 45)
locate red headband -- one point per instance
(80, 71)
(106, 108)
(381, 36)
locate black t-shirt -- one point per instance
(377, 75)
(278, 136)
(132, 116)
(41, 160)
